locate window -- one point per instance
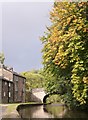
(4, 94)
(9, 94)
(9, 84)
(16, 78)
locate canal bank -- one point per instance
(10, 110)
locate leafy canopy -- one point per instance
(65, 52)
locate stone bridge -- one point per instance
(37, 95)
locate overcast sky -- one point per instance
(22, 25)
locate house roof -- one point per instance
(15, 73)
(2, 78)
(10, 69)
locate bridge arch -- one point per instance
(47, 95)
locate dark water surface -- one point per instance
(49, 111)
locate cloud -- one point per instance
(23, 24)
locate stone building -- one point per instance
(19, 87)
(12, 86)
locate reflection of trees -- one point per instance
(56, 110)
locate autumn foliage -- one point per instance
(65, 52)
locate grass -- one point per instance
(11, 107)
(31, 103)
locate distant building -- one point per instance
(12, 86)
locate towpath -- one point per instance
(8, 111)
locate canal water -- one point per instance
(49, 111)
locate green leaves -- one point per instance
(2, 58)
(34, 79)
(65, 52)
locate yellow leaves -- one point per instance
(75, 20)
(54, 36)
(84, 30)
(69, 19)
(85, 80)
(55, 30)
(82, 101)
(61, 48)
(60, 59)
(54, 48)
(79, 28)
(80, 4)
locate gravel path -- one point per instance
(5, 113)
(2, 110)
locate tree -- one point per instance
(33, 79)
(2, 58)
(65, 52)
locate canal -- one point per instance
(49, 111)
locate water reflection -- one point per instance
(49, 111)
(56, 110)
(34, 112)
(60, 111)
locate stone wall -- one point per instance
(12, 86)
(5, 90)
(19, 88)
(11, 94)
